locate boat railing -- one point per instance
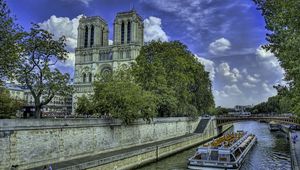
(212, 154)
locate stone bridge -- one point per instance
(223, 120)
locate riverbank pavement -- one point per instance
(295, 150)
(80, 163)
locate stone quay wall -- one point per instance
(30, 143)
(153, 153)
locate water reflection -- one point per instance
(271, 152)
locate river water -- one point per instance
(271, 152)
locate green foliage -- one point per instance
(219, 111)
(10, 35)
(120, 97)
(8, 105)
(280, 103)
(174, 75)
(40, 52)
(282, 20)
(166, 80)
(84, 106)
(29, 57)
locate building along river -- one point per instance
(271, 151)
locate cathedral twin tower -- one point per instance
(95, 55)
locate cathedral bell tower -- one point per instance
(128, 28)
(92, 32)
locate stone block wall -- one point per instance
(30, 143)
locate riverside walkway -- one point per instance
(103, 158)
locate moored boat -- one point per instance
(273, 126)
(225, 152)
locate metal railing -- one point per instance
(225, 119)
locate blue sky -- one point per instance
(225, 35)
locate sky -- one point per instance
(225, 35)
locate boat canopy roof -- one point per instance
(206, 148)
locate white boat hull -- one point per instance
(192, 164)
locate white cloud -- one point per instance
(209, 66)
(232, 75)
(86, 2)
(263, 54)
(232, 90)
(246, 84)
(228, 91)
(252, 79)
(268, 60)
(256, 75)
(70, 62)
(64, 26)
(153, 30)
(219, 46)
(220, 93)
(268, 88)
(195, 12)
(110, 42)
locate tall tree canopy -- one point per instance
(166, 80)
(282, 20)
(10, 36)
(40, 52)
(120, 97)
(172, 72)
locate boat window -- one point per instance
(202, 156)
(232, 158)
(224, 157)
(237, 153)
(214, 155)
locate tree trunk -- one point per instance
(37, 108)
(38, 112)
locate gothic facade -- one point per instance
(94, 55)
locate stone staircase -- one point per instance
(202, 125)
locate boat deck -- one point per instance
(225, 141)
(227, 151)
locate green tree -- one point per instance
(10, 36)
(219, 111)
(120, 97)
(36, 69)
(84, 106)
(282, 21)
(173, 74)
(8, 105)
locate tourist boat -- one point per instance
(225, 152)
(273, 126)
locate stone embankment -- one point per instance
(95, 143)
(294, 147)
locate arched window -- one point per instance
(92, 36)
(83, 77)
(121, 54)
(83, 58)
(128, 32)
(110, 55)
(86, 34)
(102, 36)
(90, 77)
(128, 54)
(122, 32)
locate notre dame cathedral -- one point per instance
(94, 55)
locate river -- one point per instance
(271, 152)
